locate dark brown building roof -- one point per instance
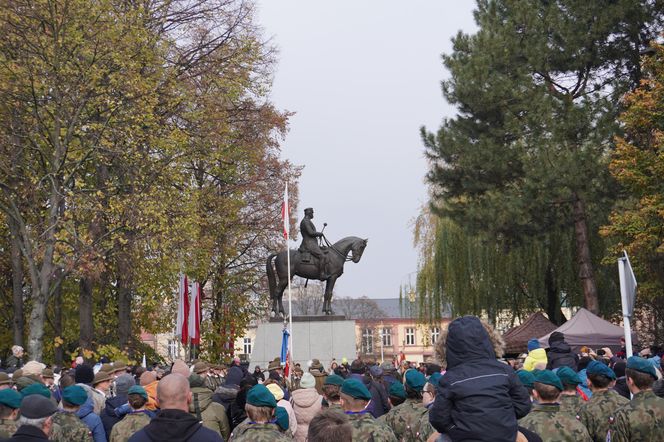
(537, 325)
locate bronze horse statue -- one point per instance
(337, 255)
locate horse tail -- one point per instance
(271, 278)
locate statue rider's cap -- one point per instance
(308, 209)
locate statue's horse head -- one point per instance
(357, 249)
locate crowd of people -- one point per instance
(469, 394)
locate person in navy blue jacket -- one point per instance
(478, 398)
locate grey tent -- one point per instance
(585, 328)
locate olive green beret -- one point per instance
(640, 364)
(334, 379)
(547, 377)
(568, 376)
(397, 390)
(75, 395)
(355, 389)
(11, 398)
(260, 396)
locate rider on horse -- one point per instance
(310, 241)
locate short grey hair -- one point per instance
(17, 349)
(39, 423)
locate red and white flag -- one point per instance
(285, 213)
(182, 326)
(195, 314)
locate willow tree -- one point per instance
(472, 273)
(537, 90)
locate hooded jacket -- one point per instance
(306, 405)
(175, 426)
(211, 414)
(537, 356)
(478, 398)
(560, 353)
(108, 416)
(93, 421)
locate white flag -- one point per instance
(285, 213)
(627, 285)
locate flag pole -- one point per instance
(290, 301)
(626, 305)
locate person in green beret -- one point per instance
(545, 418)
(425, 429)
(72, 427)
(396, 394)
(354, 400)
(643, 418)
(570, 400)
(10, 401)
(137, 418)
(404, 420)
(604, 402)
(331, 391)
(262, 427)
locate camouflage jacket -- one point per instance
(129, 425)
(368, 429)
(404, 420)
(258, 433)
(595, 413)
(641, 420)
(71, 428)
(554, 426)
(7, 428)
(571, 404)
(425, 428)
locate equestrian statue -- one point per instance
(312, 261)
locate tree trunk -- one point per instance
(18, 323)
(124, 282)
(37, 319)
(553, 309)
(586, 274)
(57, 324)
(86, 329)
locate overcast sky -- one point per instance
(362, 77)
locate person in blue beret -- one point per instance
(262, 425)
(643, 417)
(70, 424)
(546, 419)
(10, 401)
(355, 398)
(404, 420)
(595, 413)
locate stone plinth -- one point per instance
(320, 337)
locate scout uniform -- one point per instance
(12, 399)
(365, 427)
(260, 396)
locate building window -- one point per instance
(410, 336)
(247, 346)
(387, 336)
(435, 334)
(173, 349)
(367, 341)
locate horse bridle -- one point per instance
(344, 257)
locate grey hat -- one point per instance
(387, 367)
(375, 371)
(37, 406)
(123, 383)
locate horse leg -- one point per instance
(329, 286)
(278, 306)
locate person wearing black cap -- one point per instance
(36, 421)
(354, 400)
(560, 353)
(546, 419)
(643, 418)
(595, 413)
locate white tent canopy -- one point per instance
(585, 328)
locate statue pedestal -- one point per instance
(314, 337)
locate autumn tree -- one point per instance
(537, 90)
(637, 222)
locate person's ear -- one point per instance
(189, 396)
(536, 395)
